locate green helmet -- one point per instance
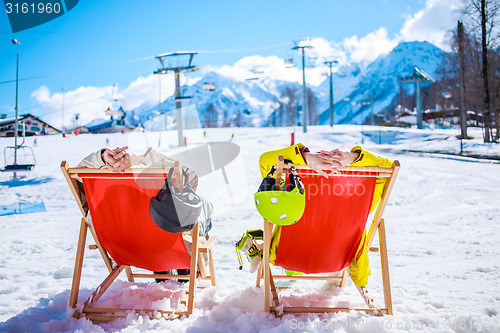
(281, 207)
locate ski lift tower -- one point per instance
(304, 102)
(177, 62)
(330, 64)
(16, 166)
(418, 77)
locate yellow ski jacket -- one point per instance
(359, 269)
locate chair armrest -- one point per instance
(208, 244)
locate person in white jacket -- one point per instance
(119, 159)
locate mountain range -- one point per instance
(360, 93)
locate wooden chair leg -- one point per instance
(268, 227)
(104, 254)
(345, 274)
(259, 275)
(201, 266)
(268, 230)
(194, 265)
(77, 271)
(274, 291)
(103, 286)
(212, 268)
(385, 267)
(130, 276)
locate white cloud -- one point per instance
(91, 102)
(257, 66)
(324, 50)
(276, 68)
(145, 90)
(369, 47)
(88, 102)
(432, 23)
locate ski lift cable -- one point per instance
(137, 60)
(79, 70)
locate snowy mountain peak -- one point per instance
(227, 101)
(378, 85)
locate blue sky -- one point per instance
(102, 33)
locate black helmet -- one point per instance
(173, 211)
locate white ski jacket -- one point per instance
(151, 158)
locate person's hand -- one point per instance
(325, 160)
(333, 160)
(117, 159)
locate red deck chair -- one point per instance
(327, 236)
(123, 230)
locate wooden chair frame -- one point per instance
(88, 309)
(377, 225)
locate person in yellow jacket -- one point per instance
(333, 160)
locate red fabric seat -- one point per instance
(120, 215)
(327, 236)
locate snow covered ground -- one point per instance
(442, 226)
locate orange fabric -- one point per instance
(327, 236)
(120, 215)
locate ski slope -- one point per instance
(442, 225)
